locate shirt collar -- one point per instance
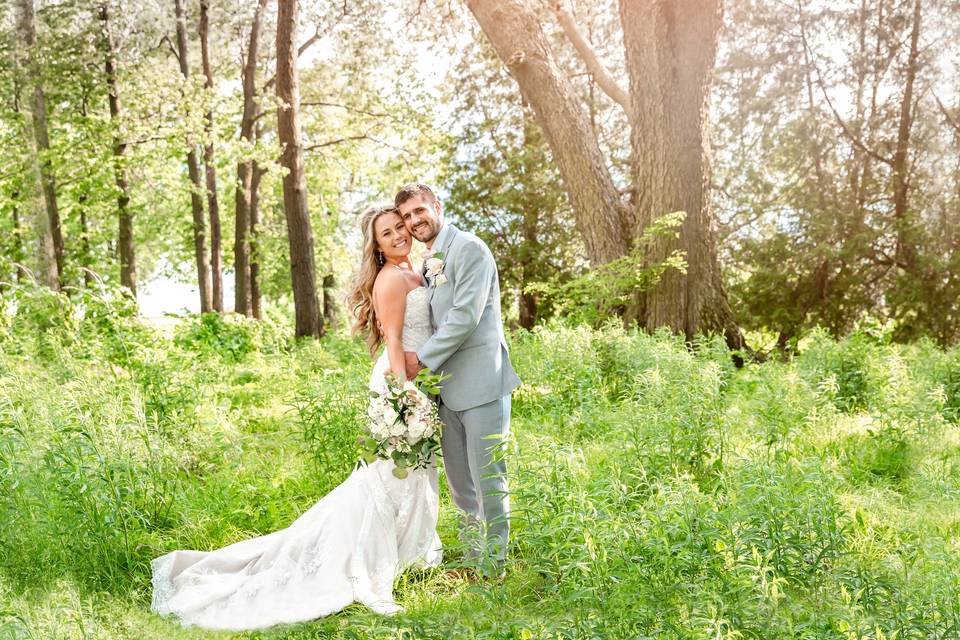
(441, 237)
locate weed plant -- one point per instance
(657, 492)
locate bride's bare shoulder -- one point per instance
(389, 282)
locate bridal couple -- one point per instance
(351, 544)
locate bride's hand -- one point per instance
(412, 364)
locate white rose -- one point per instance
(390, 415)
(434, 266)
(415, 429)
(439, 279)
(398, 429)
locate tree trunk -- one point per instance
(670, 51)
(193, 169)
(329, 304)
(255, 257)
(85, 256)
(906, 249)
(19, 248)
(299, 233)
(530, 222)
(125, 242)
(243, 221)
(19, 251)
(49, 234)
(209, 164)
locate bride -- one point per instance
(351, 544)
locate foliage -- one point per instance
(807, 186)
(602, 290)
(504, 186)
(656, 490)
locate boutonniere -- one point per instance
(435, 267)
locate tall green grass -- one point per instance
(657, 492)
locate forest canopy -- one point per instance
(808, 153)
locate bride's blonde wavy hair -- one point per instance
(360, 298)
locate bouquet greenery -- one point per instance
(404, 424)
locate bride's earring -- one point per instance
(380, 260)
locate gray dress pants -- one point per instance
(473, 443)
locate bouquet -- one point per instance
(404, 424)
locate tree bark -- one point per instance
(670, 51)
(193, 169)
(309, 322)
(209, 164)
(49, 234)
(125, 242)
(243, 220)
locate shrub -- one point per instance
(950, 379)
(839, 369)
(230, 337)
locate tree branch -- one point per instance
(823, 89)
(317, 34)
(952, 121)
(363, 136)
(594, 67)
(169, 42)
(330, 143)
(318, 103)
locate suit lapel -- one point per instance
(444, 249)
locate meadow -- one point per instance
(657, 491)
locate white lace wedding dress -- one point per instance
(347, 548)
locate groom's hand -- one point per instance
(413, 364)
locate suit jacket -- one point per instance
(468, 343)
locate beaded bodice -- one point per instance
(416, 319)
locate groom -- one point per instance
(468, 345)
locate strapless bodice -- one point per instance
(416, 319)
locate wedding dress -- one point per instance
(346, 548)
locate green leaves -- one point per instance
(600, 291)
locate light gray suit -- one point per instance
(469, 346)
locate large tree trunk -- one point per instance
(309, 322)
(193, 169)
(906, 249)
(670, 53)
(125, 243)
(670, 50)
(209, 164)
(49, 234)
(241, 248)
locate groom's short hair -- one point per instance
(408, 191)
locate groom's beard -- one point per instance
(426, 233)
